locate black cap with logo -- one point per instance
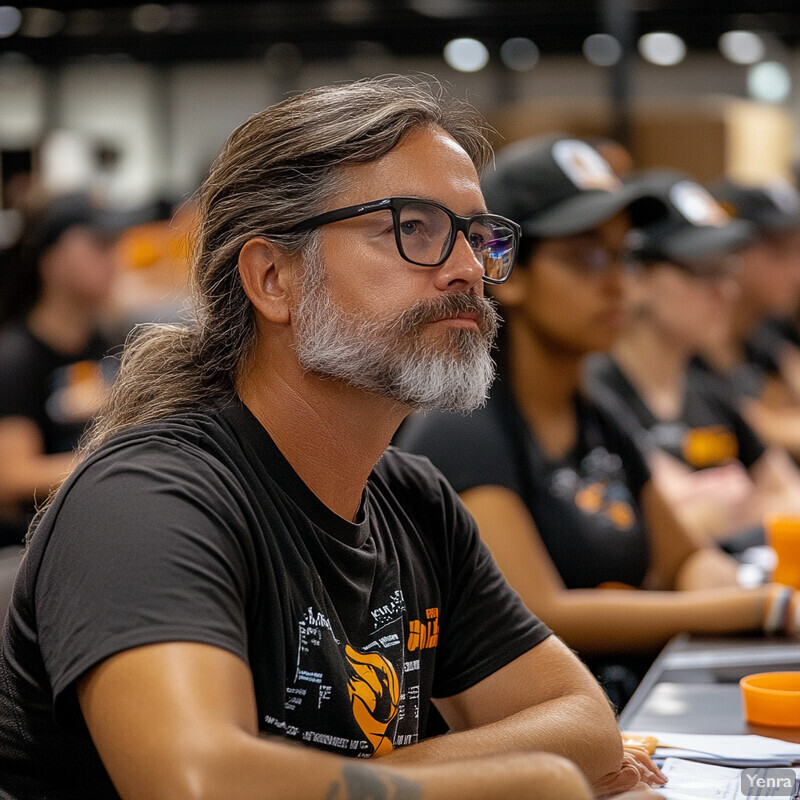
(559, 185)
(771, 207)
(42, 228)
(696, 227)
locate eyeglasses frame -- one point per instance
(395, 205)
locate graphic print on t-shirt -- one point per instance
(598, 488)
(374, 695)
(374, 684)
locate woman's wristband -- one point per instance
(782, 611)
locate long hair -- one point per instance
(276, 169)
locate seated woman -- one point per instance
(562, 494)
(759, 369)
(55, 283)
(716, 470)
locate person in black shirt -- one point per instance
(750, 358)
(721, 477)
(55, 364)
(561, 493)
(239, 565)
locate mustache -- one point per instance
(451, 305)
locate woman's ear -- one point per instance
(512, 293)
(268, 276)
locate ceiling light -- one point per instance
(349, 12)
(742, 47)
(40, 23)
(769, 81)
(602, 50)
(662, 48)
(443, 9)
(10, 21)
(466, 55)
(150, 18)
(519, 53)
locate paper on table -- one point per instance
(687, 780)
(719, 748)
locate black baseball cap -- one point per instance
(696, 227)
(43, 227)
(771, 207)
(559, 185)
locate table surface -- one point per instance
(693, 686)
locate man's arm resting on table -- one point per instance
(545, 700)
(178, 720)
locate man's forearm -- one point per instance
(579, 727)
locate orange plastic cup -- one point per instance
(783, 535)
(772, 698)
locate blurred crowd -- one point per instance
(645, 418)
(76, 276)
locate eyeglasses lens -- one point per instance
(494, 243)
(427, 233)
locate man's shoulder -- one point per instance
(183, 440)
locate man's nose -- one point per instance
(462, 269)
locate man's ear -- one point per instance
(512, 293)
(268, 276)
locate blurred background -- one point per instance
(133, 100)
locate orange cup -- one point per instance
(783, 536)
(772, 698)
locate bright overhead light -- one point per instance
(519, 53)
(602, 50)
(40, 23)
(769, 81)
(742, 47)
(150, 17)
(662, 48)
(442, 9)
(10, 21)
(466, 55)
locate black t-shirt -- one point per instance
(585, 505)
(47, 386)
(197, 529)
(709, 430)
(50, 388)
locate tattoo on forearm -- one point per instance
(371, 783)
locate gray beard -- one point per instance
(392, 358)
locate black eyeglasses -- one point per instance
(425, 233)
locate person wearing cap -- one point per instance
(561, 492)
(756, 356)
(718, 473)
(54, 364)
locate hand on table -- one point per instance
(638, 772)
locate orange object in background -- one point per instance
(783, 535)
(772, 698)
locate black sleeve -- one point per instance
(145, 547)
(485, 625)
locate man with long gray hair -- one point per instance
(241, 564)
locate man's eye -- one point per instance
(410, 227)
(477, 240)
